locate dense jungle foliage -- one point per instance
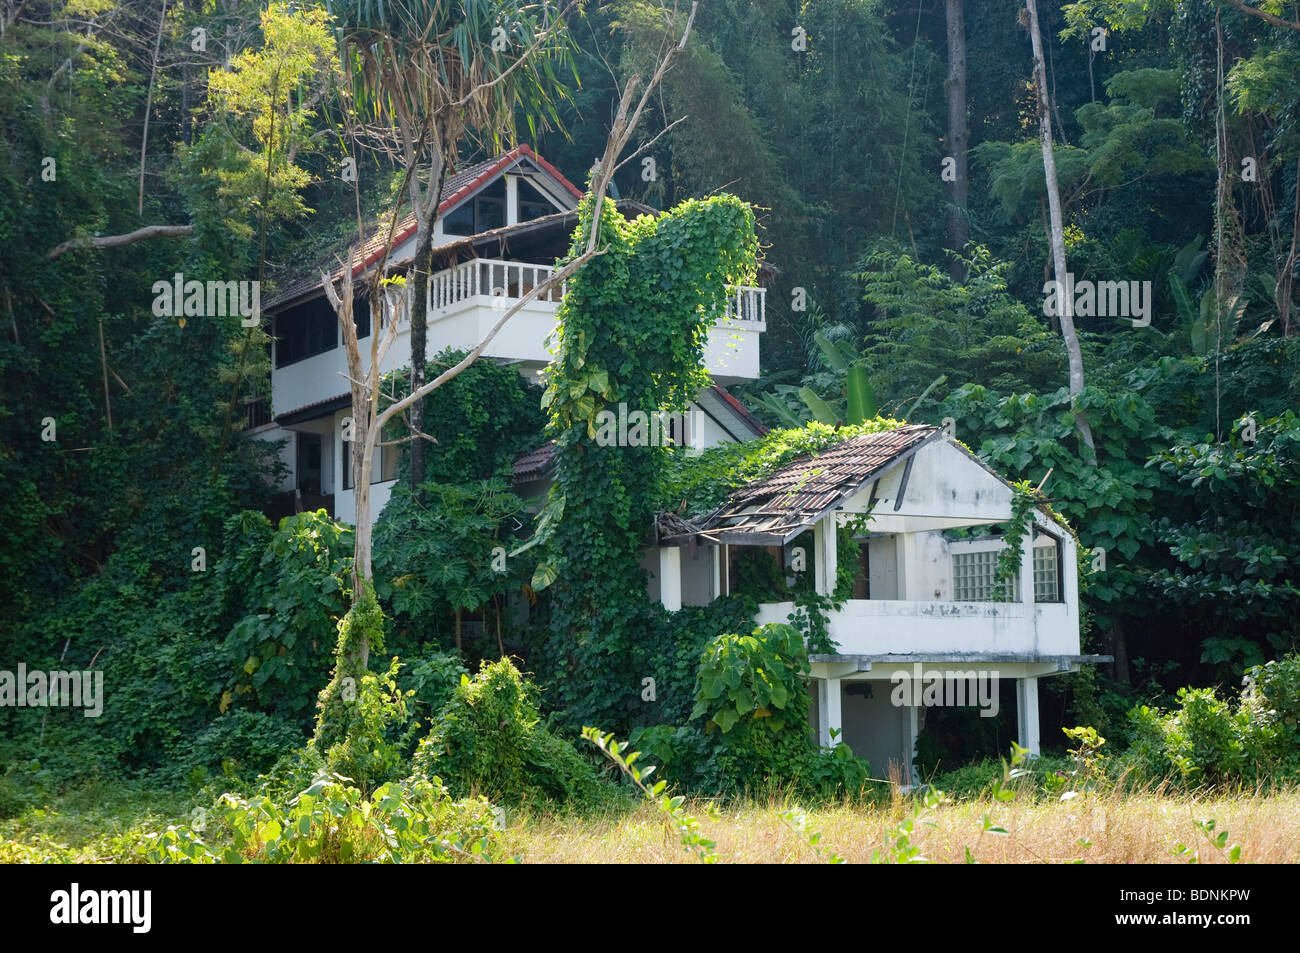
(810, 136)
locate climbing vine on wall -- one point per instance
(1023, 500)
(812, 609)
(631, 331)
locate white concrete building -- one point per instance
(921, 598)
(502, 225)
(924, 605)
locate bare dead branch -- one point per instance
(117, 241)
(1266, 17)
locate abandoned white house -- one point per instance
(926, 607)
(502, 224)
(921, 595)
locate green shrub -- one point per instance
(488, 739)
(361, 713)
(1272, 703)
(284, 592)
(753, 681)
(431, 678)
(333, 822)
(970, 780)
(22, 785)
(750, 724)
(1211, 741)
(243, 741)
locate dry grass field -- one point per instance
(1146, 827)
(1142, 828)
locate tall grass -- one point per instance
(1134, 827)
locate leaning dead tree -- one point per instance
(1065, 306)
(390, 300)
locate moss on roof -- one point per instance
(694, 486)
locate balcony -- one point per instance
(894, 627)
(502, 283)
(466, 301)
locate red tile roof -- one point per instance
(457, 187)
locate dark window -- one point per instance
(532, 204)
(387, 464)
(258, 410)
(460, 221)
(862, 573)
(361, 316)
(1048, 583)
(485, 210)
(491, 213)
(305, 331)
(309, 457)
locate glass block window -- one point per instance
(972, 578)
(1047, 577)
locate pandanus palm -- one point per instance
(848, 369)
(425, 75)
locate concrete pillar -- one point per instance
(1027, 568)
(911, 728)
(512, 199)
(670, 577)
(829, 697)
(910, 573)
(1027, 714)
(827, 556)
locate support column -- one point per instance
(670, 577)
(512, 199)
(1027, 568)
(829, 717)
(911, 574)
(911, 728)
(1027, 714)
(827, 556)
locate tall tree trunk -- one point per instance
(958, 140)
(1057, 234)
(148, 102)
(423, 262)
(501, 646)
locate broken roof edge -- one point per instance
(704, 527)
(742, 412)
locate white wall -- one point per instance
(345, 508)
(463, 326)
(699, 586)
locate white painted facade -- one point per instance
(464, 303)
(912, 617)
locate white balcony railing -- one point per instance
(492, 277)
(746, 306)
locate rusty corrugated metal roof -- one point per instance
(786, 502)
(535, 463)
